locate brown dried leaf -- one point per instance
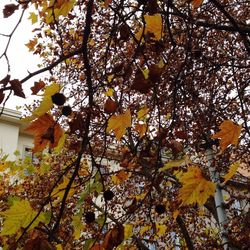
(9, 9)
(113, 237)
(141, 84)
(37, 87)
(16, 86)
(5, 80)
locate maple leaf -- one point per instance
(46, 104)
(120, 177)
(119, 124)
(161, 229)
(153, 25)
(45, 132)
(175, 163)
(60, 189)
(31, 44)
(195, 188)
(18, 216)
(37, 87)
(33, 17)
(145, 229)
(141, 129)
(141, 114)
(113, 237)
(16, 86)
(9, 9)
(229, 134)
(128, 231)
(232, 170)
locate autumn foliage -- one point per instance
(143, 120)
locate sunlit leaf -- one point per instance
(46, 104)
(18, 216)
(232, 170)
(33, 17)
(160, 229)
(229, 134)
(119, 124)
(141, 114)
(175, 163)
(110, 92)
(195, 188)
(60, 189)
(153, 26)
(144, 229)
(128, 231)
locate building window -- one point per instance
(27, 153)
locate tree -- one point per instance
(144, 112)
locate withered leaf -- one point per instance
(16, 86)
(141, 84)
(113, 237)
(37, 87)
(5, 80)
(9, 9)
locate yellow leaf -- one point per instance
(60, 8)
(110, 92)
(120, 177)
(119, 124)
(141, 114)
(175, 214)
(161, 64)
(33, 17)
(229, 134)
(153, 25)
(141, 129)
(160, 229)
(46, 104)
(61, 142)
(59, 247)
(18, 216)
(60, 189)
(195, 188)
(232, 170)
(145, 229)
(128, 231)
(175, 163)
(31, 44)
(110, 78)
(145, 73)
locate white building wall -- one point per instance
(9, 138)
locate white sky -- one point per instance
(21, 61)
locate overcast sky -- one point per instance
(21, 61)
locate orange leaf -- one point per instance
(229, 134)
(141, 129)
(196, 3)
(45, 132)
(120, 177)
